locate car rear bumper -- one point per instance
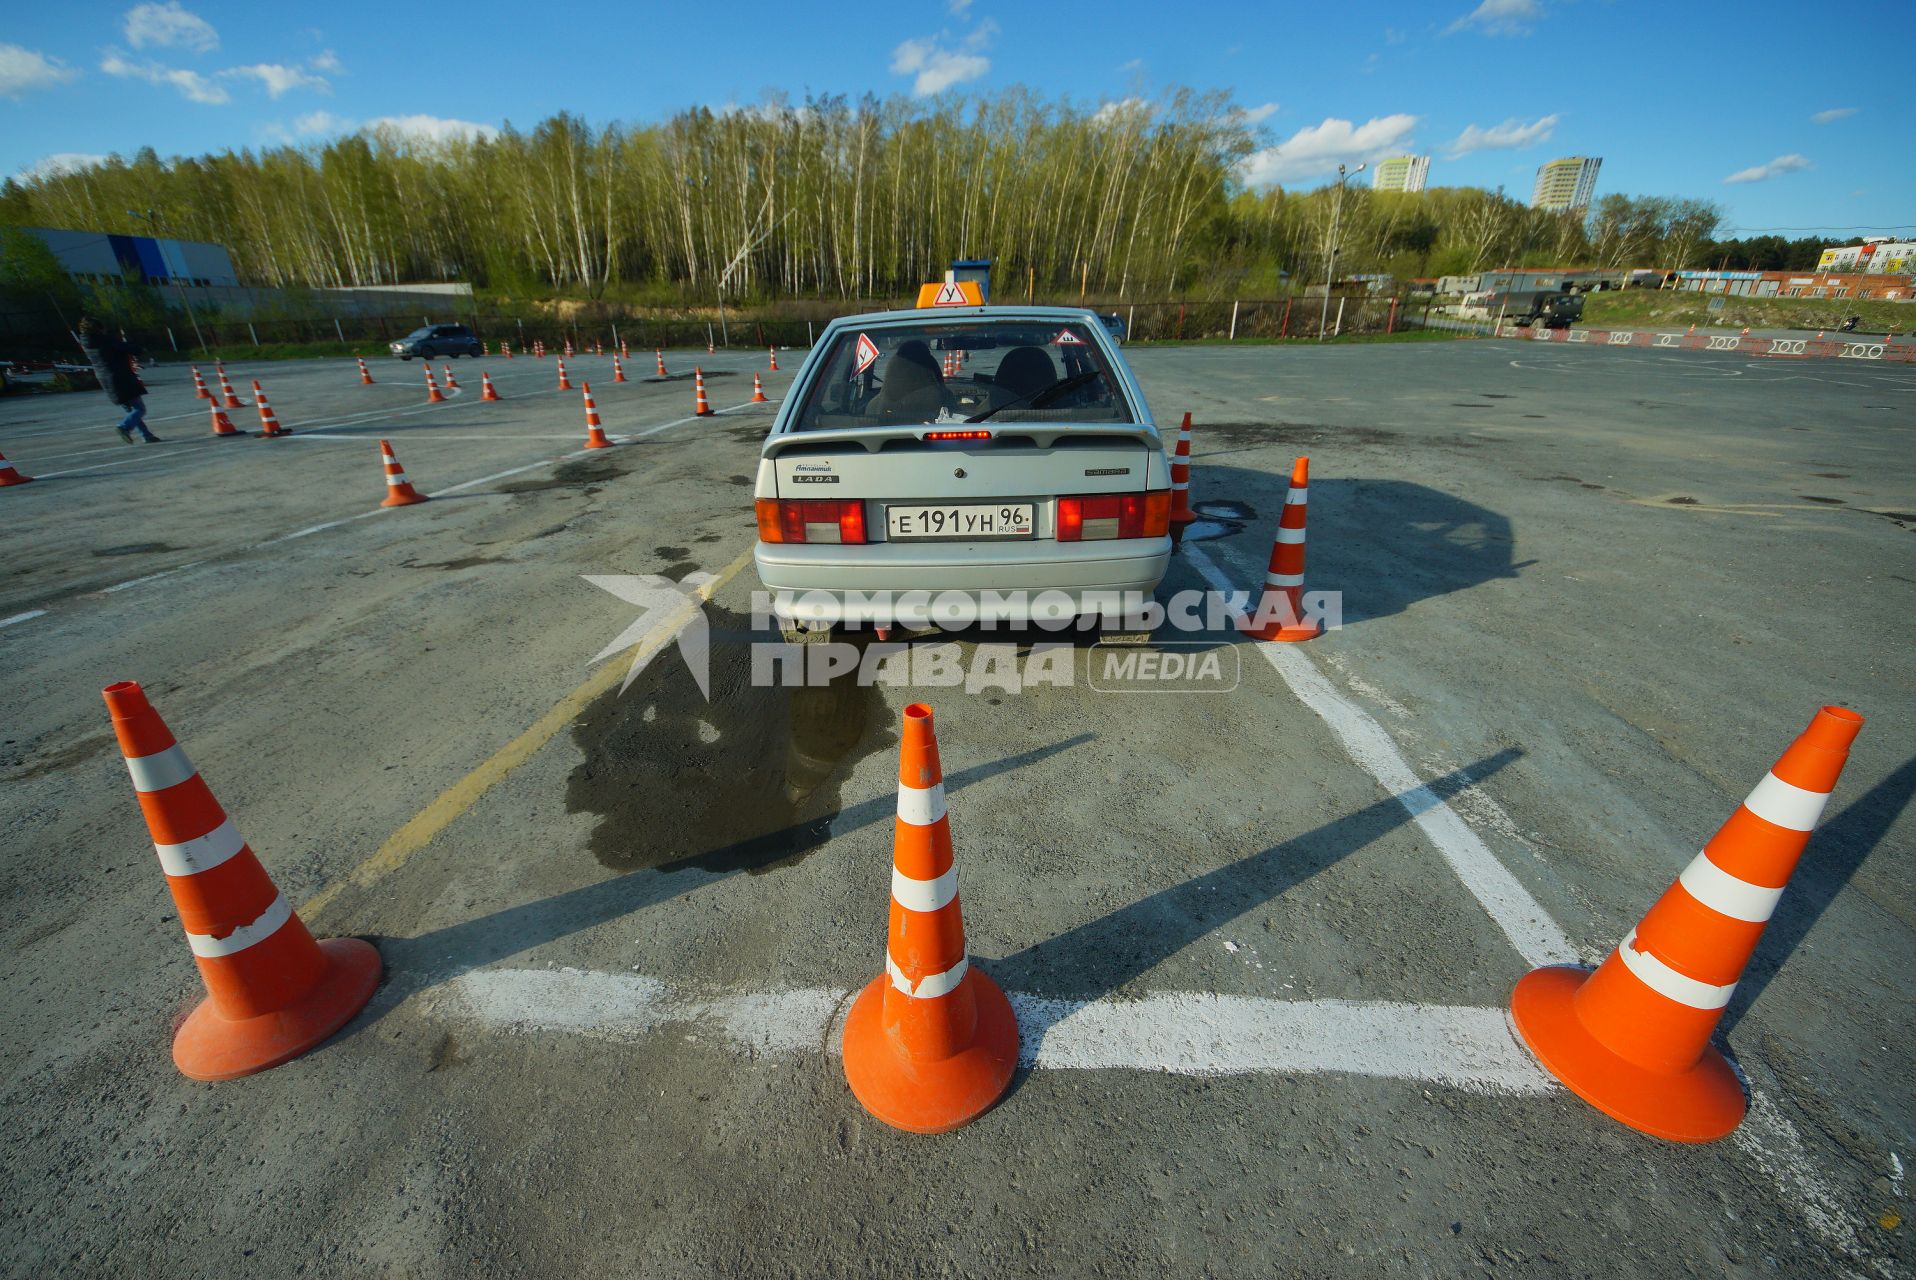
(1013, 582)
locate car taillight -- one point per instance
(1114, 515)
(796, 521)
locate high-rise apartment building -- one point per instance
(1401, 173)
(1567, 184)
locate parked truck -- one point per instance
(1551, 308)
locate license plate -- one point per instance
(993, 520)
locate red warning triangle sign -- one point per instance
(950, 295)
(1066, 338)
(863, 355)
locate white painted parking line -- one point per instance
(1536, 936)
(1179, 1033)
(1772, 1142)
(28, 616)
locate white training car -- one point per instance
(1000, 456)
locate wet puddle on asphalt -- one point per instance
(746, 782)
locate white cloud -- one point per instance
(432, 128)
(936, 65)
(280, 79)
(61, 162)
(1511, 135)
(1256, 115)
(1135, 64)
(1790, 163)
(24, 70)
(1499, 17)
(168, 25)
(1121, 110)
(958, 8)
(327, 61)
(191, 84)
(1832, 115)
(1318, 149)
(317, 122)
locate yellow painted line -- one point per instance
(463, 794)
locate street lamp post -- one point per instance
(1330, 263)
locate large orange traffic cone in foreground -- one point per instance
(1633, 1038)
(1278, 615)
(199, 386)
(399, 490)
(932, 1042)
(272, 992)
(365, 374)
(701, 407)
(486, 390)
(9, 474)
(758, 391)
(594, 433)
(269, 427)
(432, 388)
(1181, 513)
(223, 426)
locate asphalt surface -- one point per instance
(1588, 598)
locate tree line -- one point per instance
(837, 198)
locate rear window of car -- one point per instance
(956, 370)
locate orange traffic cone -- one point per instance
(624, 353)
(539, 350)
(223, 426)
(485, 348)
(1745, 333)
(199, 386)
(774, 359)
(568, 348)
(931, 1043)
(269, 428)
(660, 353)
(710, 350)
(1181, 513)
(227, 399)
(365, 374)
(486, 389)
(1277, 616)
(399, 490)
(565, 383)
(10, 474)
(594, 433)
(1633, 1038)
(432, 388)
(272, 992)
(598, 348)
(758, 391)
(618, 370)
(452, 383)
(505, 349)
(701, 408)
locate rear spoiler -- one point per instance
(1044, 435)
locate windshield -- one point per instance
(420, 333)
(963, 370)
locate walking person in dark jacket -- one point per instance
(113, 366)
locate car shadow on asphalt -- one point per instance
(1837, 850)
(419, 963)
(1099, 958)
(1385, 544)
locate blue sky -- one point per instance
(1754, 106)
